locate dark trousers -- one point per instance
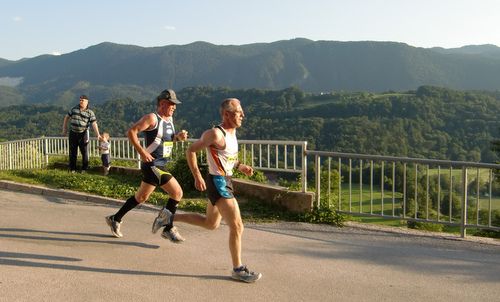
(106, 160)
(78, 141)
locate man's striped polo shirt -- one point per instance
(80, 119)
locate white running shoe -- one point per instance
(243, 274)
(173, 235)
(164, 218)
(115, 226)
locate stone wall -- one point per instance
(292, 200)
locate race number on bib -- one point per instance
(167, 149)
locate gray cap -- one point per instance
(169, 95)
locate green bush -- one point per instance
(427, 226)
(180, 170)
(258, 176)
(487, 233)
(324, 215)
(295, 185)
(456, 205)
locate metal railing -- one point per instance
(265, 155)
(455, 193)
(23, 154)
(419, 190)
(277, 156)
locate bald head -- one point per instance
(229, 104)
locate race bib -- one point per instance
(231, 160)
(167, 149)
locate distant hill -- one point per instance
(106, 71)
(485, 50)
(4, 62)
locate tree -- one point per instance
(495, 145)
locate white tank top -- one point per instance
(221, 161)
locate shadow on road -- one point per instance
(14, 233)
(407, 253)
(8, 258)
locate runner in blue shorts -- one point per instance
(222, 155)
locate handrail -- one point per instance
(414, 198)
(457, 164)
(412, 189)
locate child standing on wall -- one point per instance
(104, 150)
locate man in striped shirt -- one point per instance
(80, 117)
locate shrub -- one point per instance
(258, 176)
(456, 205)
(427, 226)
(324, 215)
(180, 170)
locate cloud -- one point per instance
(11, 82)
(56, 53)
(17, 19)
(169, 27)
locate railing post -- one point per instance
(463, 222)
(138, 160)
(10, 156)
(304, 167)
(318, 179)
(143, 143)
(46, 151)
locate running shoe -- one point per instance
(115, 226)
(173, 235)
(243, 274)
(165, 217)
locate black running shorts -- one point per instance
(155, 175)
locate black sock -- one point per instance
(129, 205)
(172, 207)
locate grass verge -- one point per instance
(123, 186)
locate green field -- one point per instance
(372, 202)
(484, 174)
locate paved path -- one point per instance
(60, 249)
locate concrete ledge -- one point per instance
(291, 200)
(67, 194)
(105, 200)
(61, 193)
(126, 171)
(22, 187)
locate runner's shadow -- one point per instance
(9, 258)
(35, 256)
(47, 238)
(54, 232)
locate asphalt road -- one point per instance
(60, 249)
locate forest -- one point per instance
(429, 122)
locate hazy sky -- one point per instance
(29, 28)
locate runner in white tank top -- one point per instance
(222, 154)
(221, 161)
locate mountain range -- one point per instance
(107, 71)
